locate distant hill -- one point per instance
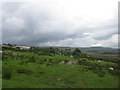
(106, 50)
(100, 50)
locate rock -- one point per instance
(111, 68)
(62, 62)
(58, 79)
(72, 63)
(99, 61)
(14, 54)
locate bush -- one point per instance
(100, 73)
(40, 70)
(6, 73)
(24, 71)
(40, 61)
(23, 62)
(50, 64)
(32, 59)
(114, 72)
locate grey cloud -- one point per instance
(106, 31)
(37, 24)
(0, 23)
(36, 28)
(10, 6)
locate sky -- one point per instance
(73, 23)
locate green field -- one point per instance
(32, 69)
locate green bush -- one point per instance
(40, 61)
(40, 70)
(114, 72)
(32, 59)
(24, 71)
(100, 73)
(6, 73)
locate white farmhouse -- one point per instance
(23, 47)
(1, 52)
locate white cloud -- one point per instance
(96, 45)
(111, 42)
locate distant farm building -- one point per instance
(23, 47)
(1, 52)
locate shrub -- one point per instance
(40, 70)
(6, 73)
(40, 61)
(114, 72)
(24, 71)
(32, 59)
(100, 73)
(22, 62)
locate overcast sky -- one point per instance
(75, 23)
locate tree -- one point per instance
(77, 52)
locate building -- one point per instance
(1, 52)
(22, 47)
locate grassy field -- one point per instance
(27, 69)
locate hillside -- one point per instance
(53, 68)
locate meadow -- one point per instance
(54, 68)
